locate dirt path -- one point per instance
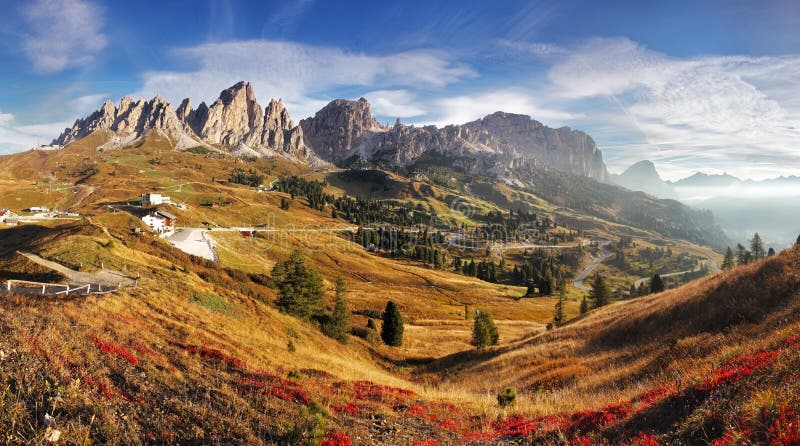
(105, 277)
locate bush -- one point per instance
(507, 397)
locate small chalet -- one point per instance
(155, 199)
(161, 222)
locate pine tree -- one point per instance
(757, 247)
(771, 252)
(392, 329)
(656, 284)
(299, 286)
(632, 291)
(600, 294)
(558, 312)
(338, 327)
(729, 261)
(484, 332)
(584, 305)
(742, 255)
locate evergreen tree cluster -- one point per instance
(250, 178)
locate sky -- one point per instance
(706, 86)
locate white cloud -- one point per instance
(14, 138)
(83, 105)
(735, 113)
(394, 103)
(461, 109)
(62, 33)
(303, 75)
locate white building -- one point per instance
(162, 223)
(155, 199)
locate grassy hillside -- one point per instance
(198, 353)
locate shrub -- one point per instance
(507, 397)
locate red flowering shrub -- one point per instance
(642, 439)
(335, 438)
(741, 367)
(100, 386)
(117, 350)
(785, 429)
(426, 442)
(349, 408)
(591, 420)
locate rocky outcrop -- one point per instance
(496, 143)
(339, 128)
(235, 122)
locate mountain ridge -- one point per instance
(341, 130)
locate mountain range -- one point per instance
(341, 132)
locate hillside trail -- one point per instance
(105, 277)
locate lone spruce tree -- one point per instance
(558, 312)
(656, 284)
(484, 332)
(757, 247)
(600, 294)
(299, 286)
(392, 329)
(338, 327)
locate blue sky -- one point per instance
(709, 86)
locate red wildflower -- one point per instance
(335, 438)
(117, 350)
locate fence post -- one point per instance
(9, 284)
(43, 288)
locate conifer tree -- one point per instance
(392, 329)
(632, 291)
(656, 284)
(771, 252)
(757, 247)
(600, 294)
(742, 255)
(338, 327)
(729, 261)
(484, 332)
(584, 305)
(299, 286)
(558, 313)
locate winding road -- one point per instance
(604, 254)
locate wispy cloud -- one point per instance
(395, 103)
(727, 112)
(14, 137)
(464, 108)
(285, 17)
(303, 75)
(62, 33)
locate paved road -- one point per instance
(604, 254)
(679, 273)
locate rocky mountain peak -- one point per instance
(335, 131)
(643, 176)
